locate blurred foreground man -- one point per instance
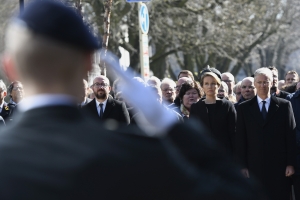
(266, 139)
(54, 152)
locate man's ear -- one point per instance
(9, 68)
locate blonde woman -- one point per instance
(218, 115)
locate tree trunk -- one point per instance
(107, 8)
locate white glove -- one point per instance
(153, 118)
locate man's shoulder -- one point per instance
(247, 102)
(226, 102)
(282, 102)
(89, 104)
(114, 102)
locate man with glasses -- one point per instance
(266, 139)
(168, 91)
(103, 106)
(248, 90)
(228, 78)
(16, 92)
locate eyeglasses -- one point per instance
(17, 88)
(98, 85)
(168, 89)
(249, 87)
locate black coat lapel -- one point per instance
(93, 108)
(203, 111)
(109, 105)
(272, 109)
(254, 109)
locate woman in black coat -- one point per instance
(218, 115)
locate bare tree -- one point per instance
(106, 28)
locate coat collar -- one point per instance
(254, 109)
(109, 105)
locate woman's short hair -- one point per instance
(211, 74)
(187, 86)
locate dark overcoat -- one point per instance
(222, 125)
(266, 147)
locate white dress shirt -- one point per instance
(98, 106)
(260, 103)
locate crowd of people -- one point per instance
(203, 137)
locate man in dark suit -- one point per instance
(53, 151)
(103, 106)
(265, 139)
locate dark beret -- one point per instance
(58, 22)
(214, 70)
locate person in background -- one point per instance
(228, 78)
(294, 98)
(177, 90)
(168, 91)
(16, 92)
(291, 88)
(85, 99)
(237, 91)
(298, 86)
(281, 83)
(223, 91)
(189, 94)
(186, 73)
(154, 81)
(274, 89)
(291, 77)
(247, 89)
(4, 109)
(218, 115)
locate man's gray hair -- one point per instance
(169, 82)
(264, 71)
(230, 75)
(249, 78)
(155, 80)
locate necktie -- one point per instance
(101, 110)
(264, 110)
